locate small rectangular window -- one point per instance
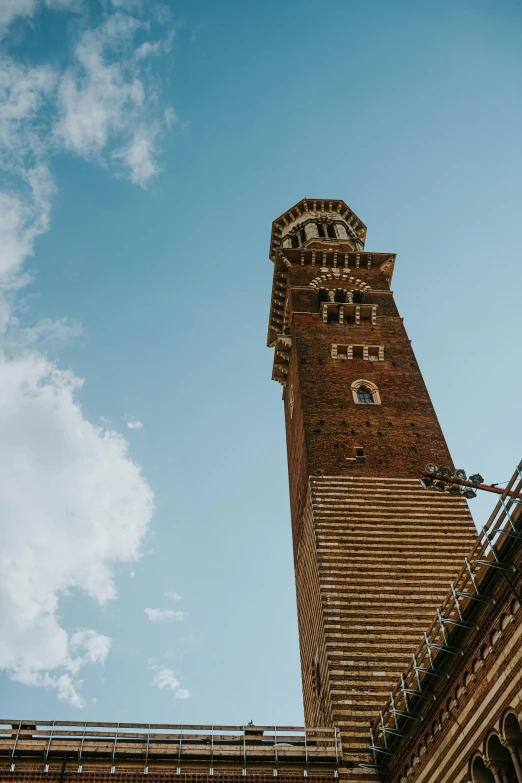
(359, 453)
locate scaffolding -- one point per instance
(140, 747)
(490, 553)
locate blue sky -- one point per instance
(146, 148)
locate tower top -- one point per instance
(290, 229)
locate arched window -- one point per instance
(323, 295)
(365, 393)
(479, 772)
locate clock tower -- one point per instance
(374, 554)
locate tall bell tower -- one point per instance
(374, 554)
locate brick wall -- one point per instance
(483, 683)
(374, 553)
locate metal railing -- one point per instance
(456, 612)
(188, 745)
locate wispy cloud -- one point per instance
(173, 596)
(73, 502)
(13, 9)
(132, 423)
(102, 99)
(166, 680)
(159, 615)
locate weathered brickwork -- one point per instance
(385, 553)
(374, 553)
(466, 727)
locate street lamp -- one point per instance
(456, 483)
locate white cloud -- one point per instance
(173, 596)
(158, 615)
(139, 157)
(46, 334)
(72, 504)
(67, 691)
(166, 679)
(147, 49)
(133, 424)
(103, 98)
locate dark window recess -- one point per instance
(317, 678)
(340, 295)
(302, 237)
(331, 231)
(359, 452)
(321, 230)
(364, 395)
(323, 295)
(357, 297)
(294, 240)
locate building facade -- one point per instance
(455, 713)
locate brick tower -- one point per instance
(374, 554)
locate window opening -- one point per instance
(294, 240)
(364, 395)
(302, 237)
(331, 231)
(321, 230)
(359, 452)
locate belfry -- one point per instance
(374, 554)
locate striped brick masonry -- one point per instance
(455, 714)
(374, 554)
(384, 552)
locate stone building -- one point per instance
(409, 624)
